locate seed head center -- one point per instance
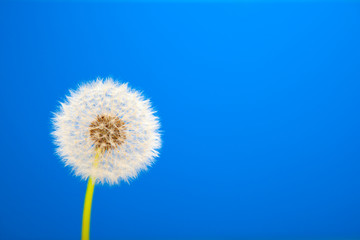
(107, 132)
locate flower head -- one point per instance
(109, 118)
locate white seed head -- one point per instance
(107, 117)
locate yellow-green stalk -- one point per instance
(85, 233)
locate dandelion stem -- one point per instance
(85, 234)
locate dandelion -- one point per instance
(107, 133)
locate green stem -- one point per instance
(85, 233)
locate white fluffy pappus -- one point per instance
(111, 118)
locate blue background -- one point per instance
(259, 104)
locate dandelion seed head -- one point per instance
(114, 118)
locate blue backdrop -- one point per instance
(259, 104)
